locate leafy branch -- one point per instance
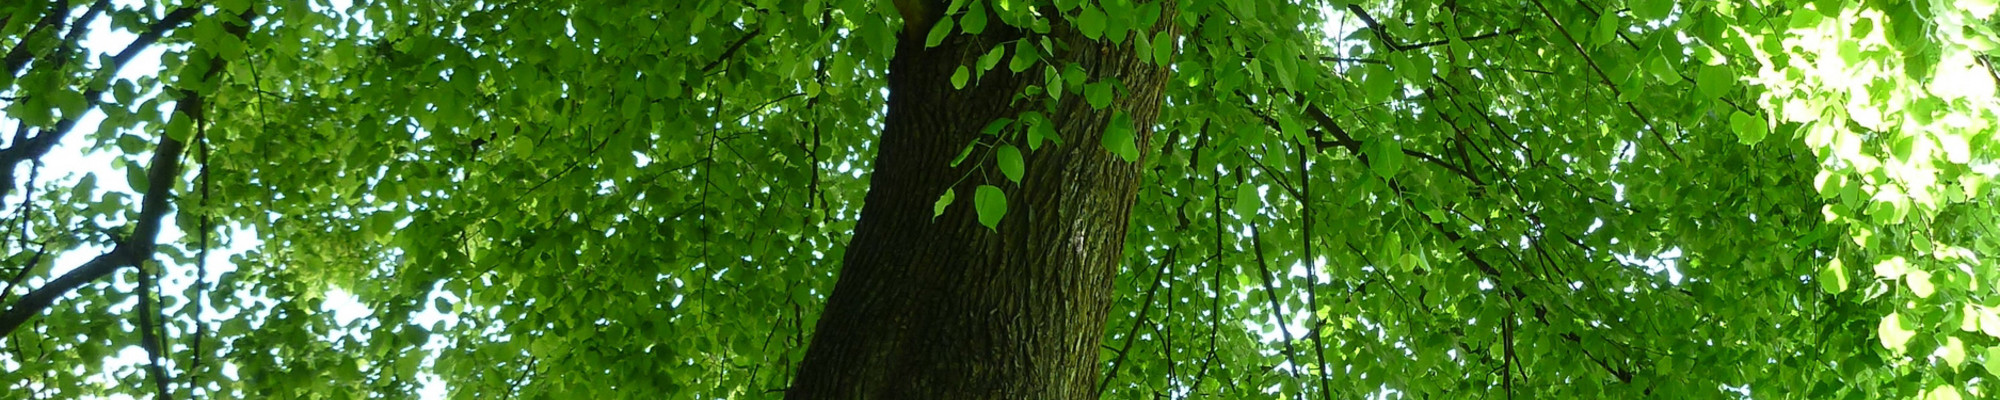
(1606, 78)
(26, 147)
(162, 172)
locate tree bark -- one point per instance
(943, 308)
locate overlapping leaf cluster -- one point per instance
(1534, 198)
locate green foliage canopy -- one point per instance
(1542, 198)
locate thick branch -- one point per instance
(26, 148)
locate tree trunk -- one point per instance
(943, 308)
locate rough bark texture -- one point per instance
(944, 308)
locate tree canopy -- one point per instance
(1336, 199)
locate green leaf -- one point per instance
(71, 104)
(991, 204)
(1024, 57)
(959, 77)
(992, 58)
(1919, 282)
(1041, 130)
(1943, 392)
(1288, 125)
(1378, 82)
(994, 128)
(963, 153)
(1833, 279)
(937, 209)
(938, 33)
(1385, 157)
(1606, 29)
(1055, 82)
(1249, 136)
(1749, 129)
(181, 127)
(1011, 163)
(1653, 9)
(1091, 22)
(974, 19)
(1892, 268)
(1989, 322)
(135, 176)
(1992, 361)
(1713, 81)
(1248, 201)
(1118, 137)
(1894, 332)
(1391, 248)
(1954, 352)
(523, 147)
(1098, 94)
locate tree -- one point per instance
(1066, 199)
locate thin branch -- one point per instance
(1271, 292)
(1353, 60)
(201, 264)
(1215, 286)
(1507, 363)
(1436, 43)
(1144, 306)
(1344, 140)
(730, 52)
(1394, 46)
(25, 269)
(149, 335)
(1312, 270)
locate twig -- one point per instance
(730, 52)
